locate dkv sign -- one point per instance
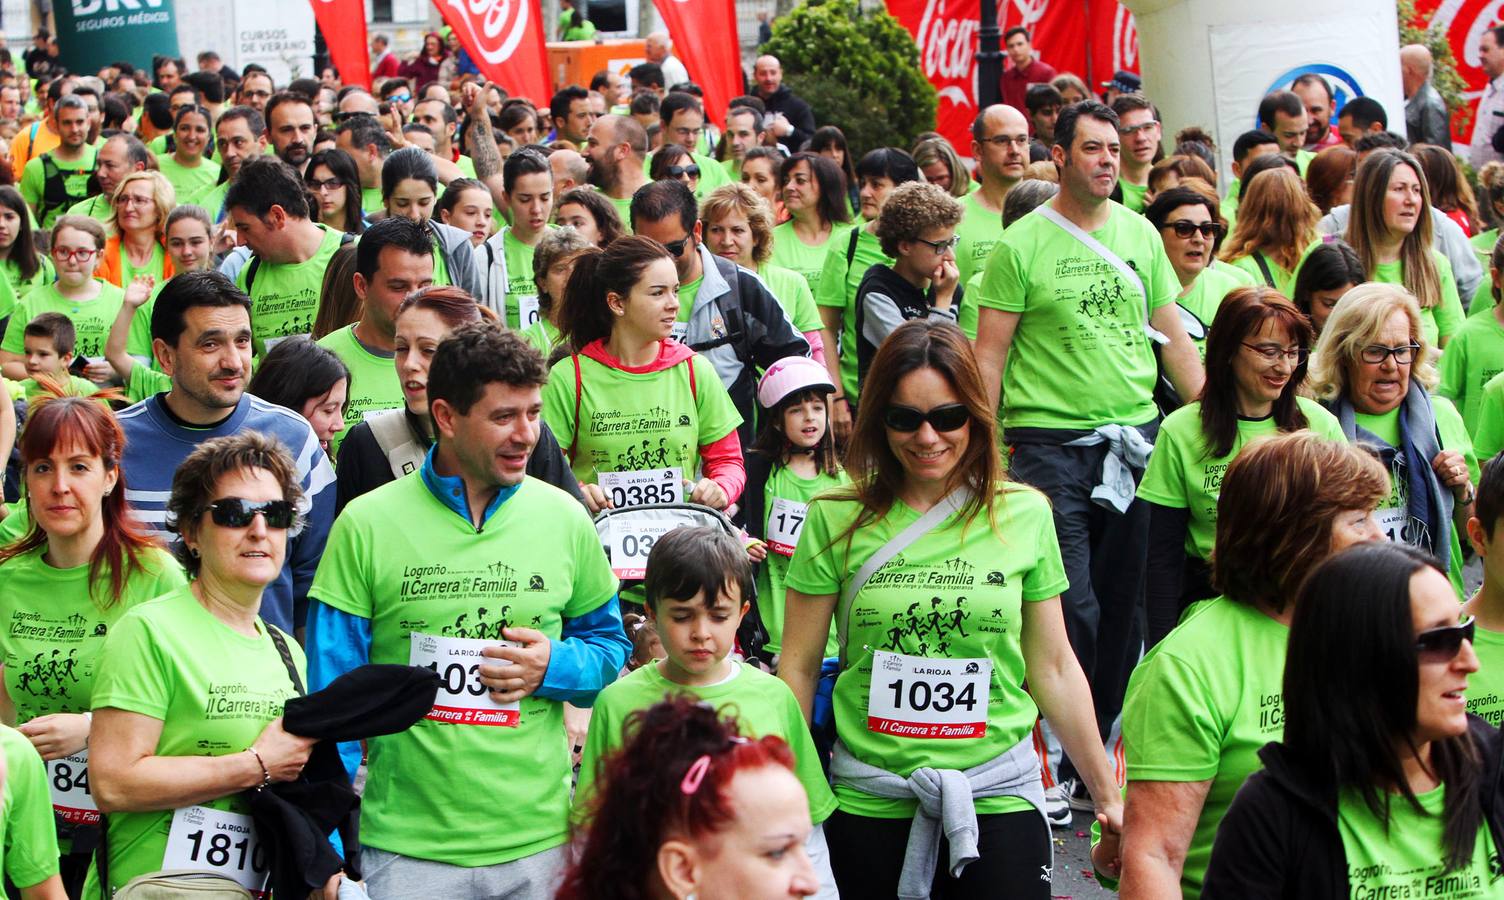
(95, 33)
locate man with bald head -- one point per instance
(614, 154)
(659, 49)
(1000, 145)
(1426, 120)
(570, 170)
(789, 118)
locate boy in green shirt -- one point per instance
(698, 584)
(1485, 689)
(49, 340)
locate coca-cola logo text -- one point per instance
(948, 35)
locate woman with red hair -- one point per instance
(713, 815)
(80, 565)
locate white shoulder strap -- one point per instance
(403, 452)
(496, 275)
(1112, 259)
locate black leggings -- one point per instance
(866, 856)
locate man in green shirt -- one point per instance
(530, 201)
(1283, 115)
(268, 206)
(683, 118)
(616, 151)
(290, 126)
(571, 114)
(513, 631)
(59, 178)
(1065, 345)
(744, 130)
(1139, 132)
(1000, 143)
(364, 138)
(393, 259)
(240, 135)
(118, 156)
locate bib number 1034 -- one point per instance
(920, 697)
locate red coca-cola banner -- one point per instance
(1093, 46)
(705, 39)
(1464, 23)
(505, 40)
(343, 23)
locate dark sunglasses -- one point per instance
(1443, 644)
(679, 171)
(346, 116)
(1184, 229)
(949, 417)
(235, 512)
(676, 248)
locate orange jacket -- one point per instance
(111, 269)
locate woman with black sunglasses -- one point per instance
(190, 688)
(82, 563)
(1188, 222)
(673, 161)
(1383, 785)
(943, 578)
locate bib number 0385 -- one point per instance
(643, 486)
(922, 697)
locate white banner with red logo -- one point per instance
(505, 40)
(705, 40)
(1463, 22)
(1092, 45)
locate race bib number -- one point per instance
(785, 521)
(632, 541)
(217, 841)
(679, 331)
(68, 782)
(1392, 523)
(920, 697)
(527, 310)
(643, 486)
(462, 699)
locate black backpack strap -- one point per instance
(280, 641)
(250, 273)
(1263, 265)
(851, 248)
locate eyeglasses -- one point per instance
(1003, 140)
(1184, 228)
(692, 171)
(1375, 355)
(235, 512)
(128, 200)
(82, 254)
(907, 419)
(949, 243)
(676, 248)
(1272, 352)
(1439, 645)
(258, 95)
(1130, 130)
(327, 184)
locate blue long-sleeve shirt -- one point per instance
(586, 657)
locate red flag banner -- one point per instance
(1092, 46)
(343, 23)
(505, 40)
(705, 40)
(1463, 22)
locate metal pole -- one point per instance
(989, 58)
(320, 51)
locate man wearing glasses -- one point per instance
(683, 118)
(239, 135)
(1138, 130)
(255, 90)
(1000, 143)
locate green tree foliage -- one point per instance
(859, 69)
(1414, 30)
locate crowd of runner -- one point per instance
(438, 493)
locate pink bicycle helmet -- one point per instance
(791, 375)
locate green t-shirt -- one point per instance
(1080, 357)
(788, 495)
(637, 420)
(957, 593)
(438, 576)
(21, 286)
(1133, 194)
(214, 691)
(53, 630)
(73, 385)
(793, 294)
(370, 200)
(1200, 705)
(1488, 435)
(968, 312)
(28, 831)
(1473, 357)
(1283, 277)
(187, 182)
(146, 382)
(807, 259)
(837, 289)
(1390, 513)
(542, 336)
(1485, 687)
(1483, 246)
(156, 266)
(1407, 859)
(373, 379)
(1302, 160)
(285, 297)
(522, 292)
(75, 183)
(96, 207)
(211, 199)
(1205, 298)
(91, 318)
(979, 231)
(1443, 320)
(1182, 476)
(623, 209)
(762, 704)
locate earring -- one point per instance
(193, 552)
